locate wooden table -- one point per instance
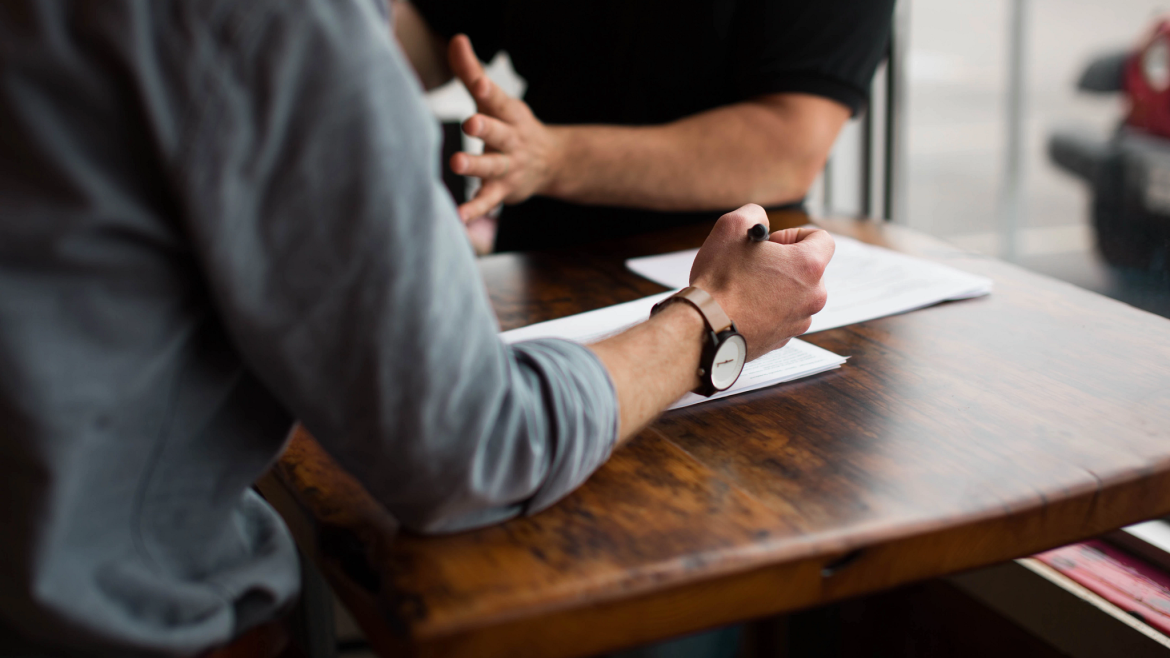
(957, 436)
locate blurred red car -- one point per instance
(1128, 173)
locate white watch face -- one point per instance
(729, 360)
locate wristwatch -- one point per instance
(724, 349)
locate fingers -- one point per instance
(464, 64)
(482, 233)
(737, 222)
(488, 165)
(489, 196)
(819, 244)
(815, 242)
(792, 235)
(494, 133)
(489, 98)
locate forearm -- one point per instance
(653, 364)
(424, 49)
(766, 151)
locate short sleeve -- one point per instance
(829, 48)
(482, 20)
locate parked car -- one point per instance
(1129, 172)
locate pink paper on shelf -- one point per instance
(1125, 581)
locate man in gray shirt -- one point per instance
(219, 216)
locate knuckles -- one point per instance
(471, 125)
(808, 268)
(741, 219)
(820, 297)
(811, 264)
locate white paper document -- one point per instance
(864, 282)
(795, 360)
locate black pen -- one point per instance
(758, 233)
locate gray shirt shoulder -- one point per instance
(216, 217)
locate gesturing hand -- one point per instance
(519, 151)
(770, 289)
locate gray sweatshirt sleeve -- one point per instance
(310, 176)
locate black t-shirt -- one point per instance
(644, 62)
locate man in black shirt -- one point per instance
(646, 114)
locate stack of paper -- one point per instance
(795, 360)
(864, 282)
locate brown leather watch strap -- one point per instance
(716, 319)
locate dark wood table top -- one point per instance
(956, 436)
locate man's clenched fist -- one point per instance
(769, 289)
